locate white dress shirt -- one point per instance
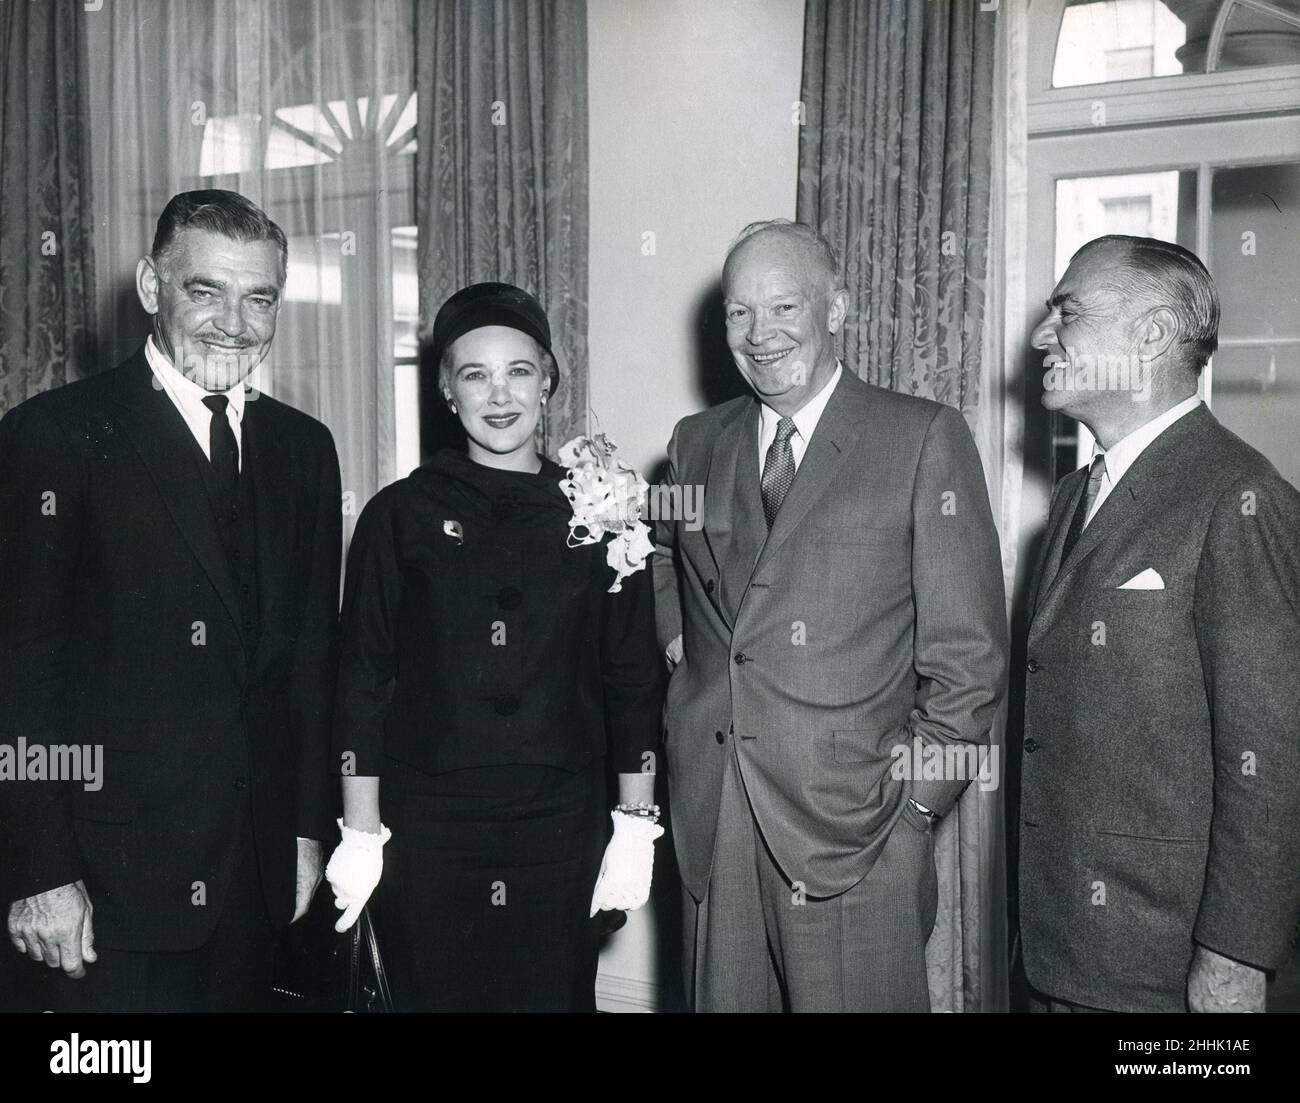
(187, 396)
(805, 421)
(1121, 455)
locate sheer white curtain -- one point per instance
(308, 108)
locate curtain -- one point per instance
(307, 107)
(501, 170)
(46, 245)
(1000, 417)
(895, 168)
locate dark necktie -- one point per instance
(1080, 518)
(778, 470)
(223, 450)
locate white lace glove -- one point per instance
(624, 881)
(354, 870)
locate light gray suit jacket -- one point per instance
(873, 612)
(1160, 801)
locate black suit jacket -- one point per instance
(120, 626)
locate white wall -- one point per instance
(692, 136)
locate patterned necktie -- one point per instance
(223, 451)
(778, 470)
(1080, 518)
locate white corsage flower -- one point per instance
(608, 496)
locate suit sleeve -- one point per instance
(960, 648)
(316, 657)
(42, 521)
(632, 673)
(368, 644)
(1247, 614)
(668, 608)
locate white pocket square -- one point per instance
(1147, 580)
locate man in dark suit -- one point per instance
(1160, 810)
(169, 568)
(842, 599)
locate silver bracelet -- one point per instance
(642, 808)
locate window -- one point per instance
(1202, 149)
(1117, 40)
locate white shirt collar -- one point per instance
(806, 419)
(183, 391)
(1121, 455)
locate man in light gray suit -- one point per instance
(842, 599)
(1160, 808)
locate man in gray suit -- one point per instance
(842, 599)
(1160, 808)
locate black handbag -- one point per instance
(367, 990)
(318, 970)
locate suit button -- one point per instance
(1031, 745)
(241, 783)
(741, 658)
(507, 704)
(1032, 666)
(719, 737)
(509, 598)
(708, 586)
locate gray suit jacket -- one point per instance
(1160, 801)
(873, 612)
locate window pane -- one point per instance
(1105, 40)
(406, 293)
(1253, 37)
(1147, 204)
(1256, 394)
(1254, 233)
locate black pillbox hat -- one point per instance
(492, 304)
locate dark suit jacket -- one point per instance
(884, 562)
(120, 626)
(1160, 804)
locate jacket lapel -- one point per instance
(1124, 506)
(168, 450)
(837, 430)
(734, 525)
(1054, 540)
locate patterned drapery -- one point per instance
(46, 247)
(501, 168)
(895, 167)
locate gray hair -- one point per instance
(1160, 273)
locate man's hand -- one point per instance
(1217, 983)
(674, 652)
(54, 927)
(311, 866)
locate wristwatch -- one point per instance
(933, 817)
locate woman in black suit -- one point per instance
(486, 674)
